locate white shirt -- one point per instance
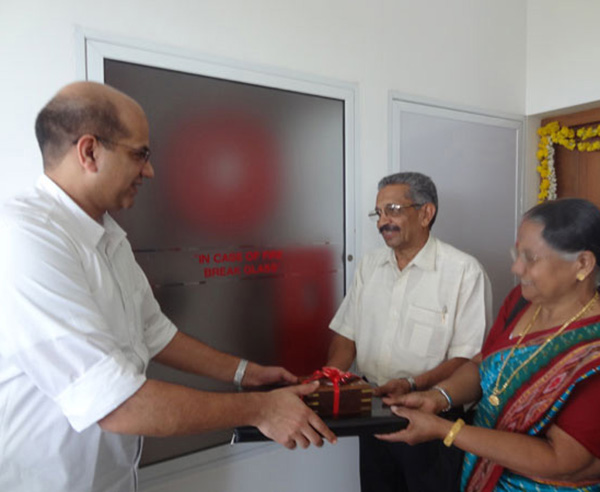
(407, 322)
(78, 326)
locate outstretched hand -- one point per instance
(257, 375)
(393, 389)
(430, 401)
(287, 420)
(422, 427)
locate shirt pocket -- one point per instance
(427, 331)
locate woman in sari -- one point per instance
(537, 378)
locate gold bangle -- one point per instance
(454, 430)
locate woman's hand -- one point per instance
(422, 427)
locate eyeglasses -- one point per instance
(391, 210)
(141, 154)
(525, 256)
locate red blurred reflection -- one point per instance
(223, 170)
(304, 303)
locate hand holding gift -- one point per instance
(258, 375)
(286, 420)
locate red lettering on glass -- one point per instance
(274, 254)
(221, 272)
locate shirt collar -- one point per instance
(87, 228)
(424, 259)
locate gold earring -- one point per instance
(581, 276)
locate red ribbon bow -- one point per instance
(336, 377)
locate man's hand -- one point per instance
(431, 401)
(257, 375)
(287, 420)
(393, 389)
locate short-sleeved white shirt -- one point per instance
(78, 326)
(406, 322)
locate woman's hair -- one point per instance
(571, 225)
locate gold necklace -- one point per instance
(494, 398)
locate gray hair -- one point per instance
(421, 188)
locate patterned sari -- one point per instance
(532, 400)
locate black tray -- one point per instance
(381, 421)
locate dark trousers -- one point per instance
(399, 467)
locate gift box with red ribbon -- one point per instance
(341, 394)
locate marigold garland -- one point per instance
(552, 134)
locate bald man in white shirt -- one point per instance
(417, 310)
(79, 323)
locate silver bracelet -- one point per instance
(239, 373)
(445, 395)
(411, 383)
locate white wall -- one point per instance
(562, 53)
(468, 52)
(266, 468)
(562, 75)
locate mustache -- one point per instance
(388, 228)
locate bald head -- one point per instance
(78, 109)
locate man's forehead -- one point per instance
(396, 193)
(135, 120)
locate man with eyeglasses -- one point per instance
(417, 310)
(79, 323)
